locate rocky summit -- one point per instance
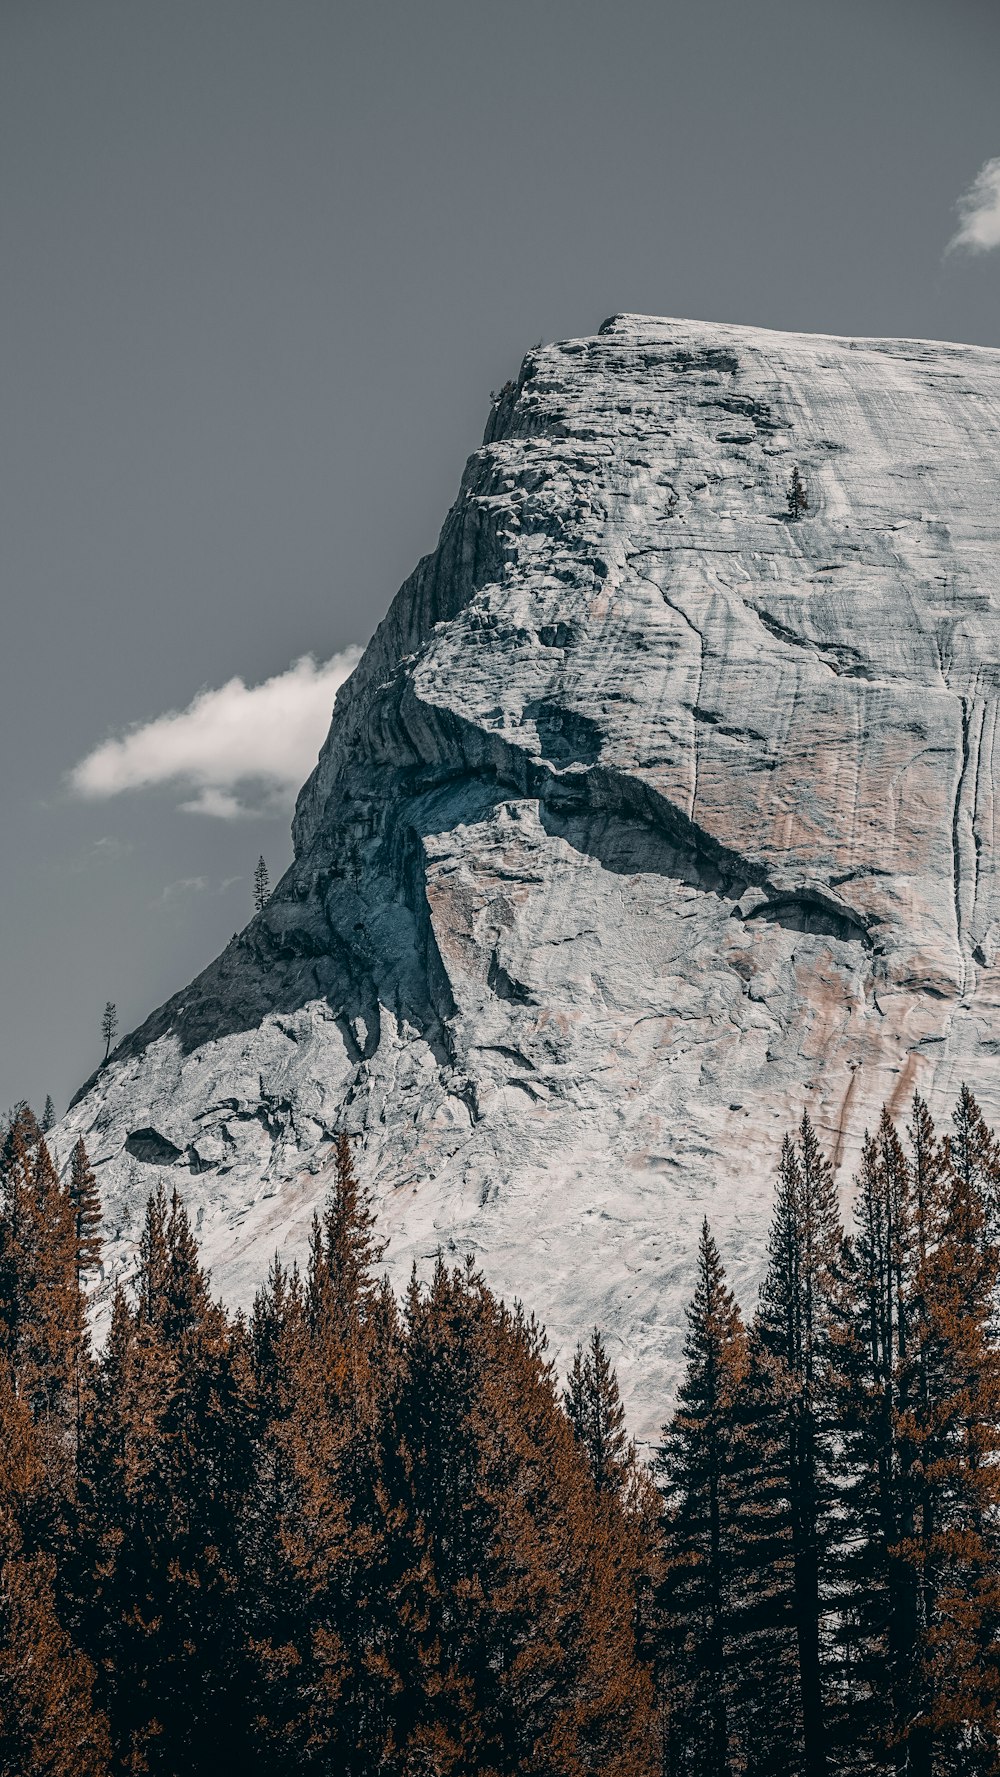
(652, 814)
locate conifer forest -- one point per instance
(355, 1536)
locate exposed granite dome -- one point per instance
(648, 816)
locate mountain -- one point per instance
(649, 816)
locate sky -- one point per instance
(261, 264)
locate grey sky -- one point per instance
(260, 266)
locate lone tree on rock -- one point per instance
(261, 885)
(798, 498)
(109, 1026)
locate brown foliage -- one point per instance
(48, 1723)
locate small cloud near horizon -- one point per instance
(175, 893)
(239, 750)
(185, 885)
(105, 850)
(979, 212)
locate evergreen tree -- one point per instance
(794, 1327)
(321, 1354)
(931, 1165)
(594, 1408)
(341, 1286)
(354, 1539)
(920, 1391)
(109, 1026)
(513, 1616)
(17, 1241)
(765, 1688)
(973, 1152)
(124, 1544)
(162, 1481)
(22, 1125)
(86, 1202)
(42, 1317)
(953, 1425)
(48, 1115)
(261, 886)
(274, 1599)
(48, 1721)
(874, 1364)
(695, 1466)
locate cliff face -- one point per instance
(648, 817)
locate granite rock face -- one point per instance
(648, 817)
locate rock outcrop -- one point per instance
(648, 817)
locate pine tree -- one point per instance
(765, 1688)
(42, 1315)
(920, 1403)
(512, 1620)
(873, 1361)
(953, 1426)
(594, 1408)
(973, 1152)
(48, 1721)
(208, 1442)
(352, 1538)
(48, 1115)
(163, 1475)
(86, 1201)
(798, 498)
(275, 1601)
(321, 1354)
(342, 1286)
(794, 1328)
(695, 1469)
(261, 886)
(125, 1548)
(22, 1125)
(109, 1026)
(17, 1237)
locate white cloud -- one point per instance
(174, 894)
(225, 805)
(107, 847)
(185, 885)
(243, 749)
(103, 851)
(979, 212)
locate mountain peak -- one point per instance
(657, 807)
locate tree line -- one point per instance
(830, 1601)
(342, 1534)
(357, 1536)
